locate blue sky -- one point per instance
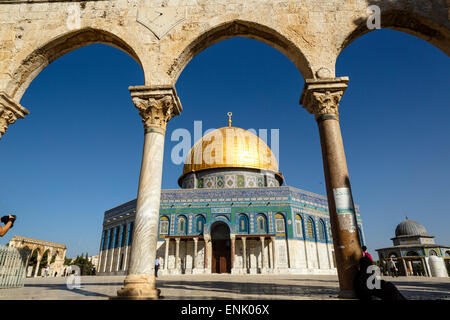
(78, 153)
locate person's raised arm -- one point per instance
(4, 230)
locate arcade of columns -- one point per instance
(268, 259)
(54, 249)
(164, 36)
(158, 104)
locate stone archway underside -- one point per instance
(163, 37)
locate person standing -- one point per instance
(365, 253)
(157, 263)
(392, 267)
(46, 272)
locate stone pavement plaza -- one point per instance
(204, 287)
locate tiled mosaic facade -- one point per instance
(304, 246)
(229, 178)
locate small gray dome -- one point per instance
(410, 228)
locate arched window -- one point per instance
(105, 234)
(111, 238)
(124, 235)
(322, 230)
(163, 225)
(130, 233)
(433, 253)
(243, 223)
(311, 232)
(261, 224)
(280, 226)
(116, 236)
(200, 222)
(181, 225)
(298, 225)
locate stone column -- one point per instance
(194, 256)
(404, 267)
(233, 252)
(271, 254)
(177, 255)
(263, 256)
(208, 254)
(424, 267)
(10, 111)
(37, 266)
(244, 255)
(411, 271)
(156, 105)
(274, 252)
(321, 97)
(166, 254)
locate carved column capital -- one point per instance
(10, 111)
(156, 105)
(321, 96)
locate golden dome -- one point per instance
(230, 147)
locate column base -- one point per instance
(137, 287)
(198, 271)
(347, 294)
(235, 271)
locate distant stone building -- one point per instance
(415, 252)
(232, 216)
(94, 260)
(56, 253)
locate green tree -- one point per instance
(84, 264)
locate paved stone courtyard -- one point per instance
(206, 287)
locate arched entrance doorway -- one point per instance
(221, 248)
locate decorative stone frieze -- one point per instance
(10, 111)
(156, 105)
(321, 97)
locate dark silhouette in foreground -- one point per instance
(386, 290)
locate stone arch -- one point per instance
(426, 28)
(42, 56)
(241, 28)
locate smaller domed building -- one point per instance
(415, 252)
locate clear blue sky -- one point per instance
(78, 153)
